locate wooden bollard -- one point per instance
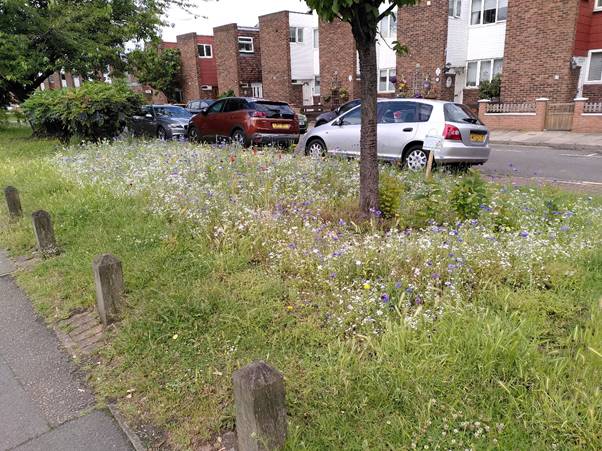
(108, 277)
(260, 408)
(42, 226)
(13, 202)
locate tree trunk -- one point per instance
(369, 202)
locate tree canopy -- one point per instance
(39, 37)
(157, 68)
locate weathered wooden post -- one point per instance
(13, 202)
(42, 226)
(108, 277)
(260, 408)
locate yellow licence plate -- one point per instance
(477, 137)
(281, 126)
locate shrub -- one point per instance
(391, 189)
(469, 194)
(491, 89)
(94, 111)
(228, 93)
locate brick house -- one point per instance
(238, 59)
(199, 67)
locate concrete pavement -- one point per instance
(44, 401)
(558, 140)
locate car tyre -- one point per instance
(162, 134)
(193, 134)
(315, 148)
(416, 158)
(238, 137)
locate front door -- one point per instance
(397, 126)
(307, 94)
(213, 125)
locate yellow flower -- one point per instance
(367, 286)
(289, 307)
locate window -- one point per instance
(205, 50)
(236, 105)
(245, 45)
(316, 38)
(317, 85)
(455, 112)
(484, 70)
(296, 34)
(216, 107)
(488, 11)
(598, 5)
(594, 73)
(388, 26)
(257, 90)
(384, 80)
(455, 8)
(352, 118)
(63, 80)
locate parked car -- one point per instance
(403, 125)
(196, 106)
(302, 123)
(330, 115)
(246, 120)
(162, 121)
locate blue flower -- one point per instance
(397, 285)
(524, 234)
(384, 298)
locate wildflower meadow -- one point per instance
(464, 315)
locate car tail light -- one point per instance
(258, 114)
(452, 132)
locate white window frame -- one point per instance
(598, 5)
(205, 46)
(497, 14)
(295, 38)
(385, 31)
(316, 85)
(589, 62)
(388, 70)
(491, 75)
(456, 9)
(316, 38)
(257, 90)
(246, 40)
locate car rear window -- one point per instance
(274, 109)
(455, 112)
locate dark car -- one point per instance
(162, 121)
(330, 115)
(246, 121)
(196, 106)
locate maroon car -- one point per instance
(246, 121)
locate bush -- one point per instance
(491, 89)
(469, 195)
(391, 190)
(228, 93)
(94, 111)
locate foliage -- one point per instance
(491, 89)
(95, 111)
(158, 68)
(38, 38)
(447, 336)
(228, 93)
(391, 191)
(469, 195)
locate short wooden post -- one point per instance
(260, 408)
(429, 165)
(108, 277)
(13, 202)
(42, 226)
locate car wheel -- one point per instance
(239, 138)
(315, 148)
(416, 158)
(161, 133)
(193, 134)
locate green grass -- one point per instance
(520, 367)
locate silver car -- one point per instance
(403, 126)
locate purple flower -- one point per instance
(384, 298)
(292, 246)
(342, 222)
(418, 300)
(565, 228)
(436, 276)
(524, 234)
(397, 285)
(333, 275)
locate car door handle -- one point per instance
(408, 129)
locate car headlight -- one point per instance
(175, 126)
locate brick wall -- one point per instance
(427, 45)
(584, 122)
(276, 57)
(225, 48)
(538, 51)
(207, 67)
(190, 83)
(593, 92)
(338, 59)
(471, 98)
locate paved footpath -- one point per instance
(44, 403)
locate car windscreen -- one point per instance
(455, 112)
(172, 111)
(273, 109)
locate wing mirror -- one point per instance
(148, 116)
(338, 122)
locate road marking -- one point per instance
(591, 155)
(508, 150)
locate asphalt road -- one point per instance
(543, 164)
